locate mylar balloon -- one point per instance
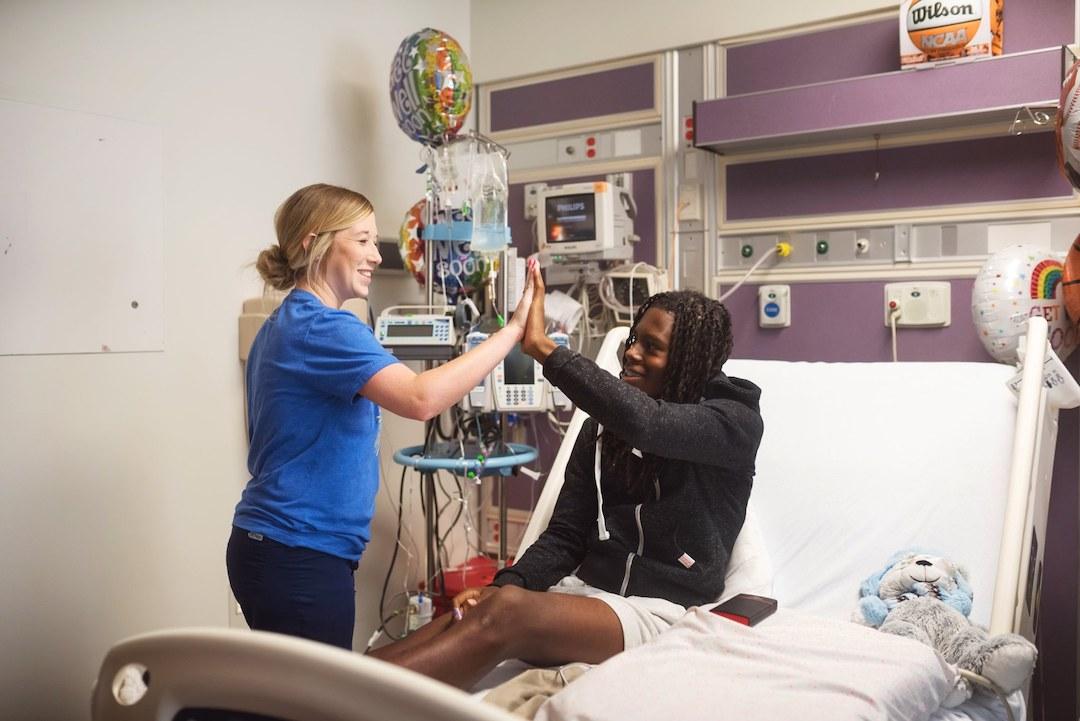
(430, 86)
(1014, 284)
(410, 243)
(455, 268)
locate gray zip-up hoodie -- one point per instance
(676, 544)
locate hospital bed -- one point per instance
(858, 461)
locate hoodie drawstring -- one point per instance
(601, 527)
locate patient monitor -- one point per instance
(585, 220)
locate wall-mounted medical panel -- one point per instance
(997, 170)
(940, 249)
(962, 94)
(619, 93)
(604, 146)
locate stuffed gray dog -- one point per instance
(928, 598)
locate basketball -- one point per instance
(943, 27)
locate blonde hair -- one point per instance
(318, 209)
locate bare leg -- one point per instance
(543, 628)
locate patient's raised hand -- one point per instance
(536, 342)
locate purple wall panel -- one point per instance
(1034, 24)
(843, 322)
(847, 52)
(582, 96)
(969, 171)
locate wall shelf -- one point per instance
(974, 92)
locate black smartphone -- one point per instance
(746, 608)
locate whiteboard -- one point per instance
(81, 237)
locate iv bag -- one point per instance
(488, 190)
(451, 170)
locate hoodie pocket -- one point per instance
(688, 554)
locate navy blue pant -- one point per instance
(296, 591)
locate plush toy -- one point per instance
(928, 598)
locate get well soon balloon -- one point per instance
(1013, 285)
(430, 86)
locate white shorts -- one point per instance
(642, 618)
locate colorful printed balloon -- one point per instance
(430, 86)
(1013, 285)
(456, 268)
(410, 243)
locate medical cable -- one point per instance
(460, 509)
(397, 539)
(393, 559)
(411, 555)
(470, 529)
(781, 249)
(462, 516)
(606, 291)
(894, 312)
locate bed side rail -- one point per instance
(1043, 386)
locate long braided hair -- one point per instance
(700, 344)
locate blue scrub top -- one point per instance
(314, 443)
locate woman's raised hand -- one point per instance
(521, 312)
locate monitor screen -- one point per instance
(570, 218)
(418, 330)
(518, 368)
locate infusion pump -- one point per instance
(417, 332)
(517, 384)
(415, 325)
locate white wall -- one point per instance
(520, 37)
(118, 473)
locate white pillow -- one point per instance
(749, 569)
(792, 665)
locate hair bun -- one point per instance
(273, 266)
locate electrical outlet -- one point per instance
(924, 305)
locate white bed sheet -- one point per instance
(983, 706)
(793, 665)
(923, 463)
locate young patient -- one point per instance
(654, 495)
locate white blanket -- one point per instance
(792, 665)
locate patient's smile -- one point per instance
(646, 355)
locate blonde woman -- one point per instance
(316, 380)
